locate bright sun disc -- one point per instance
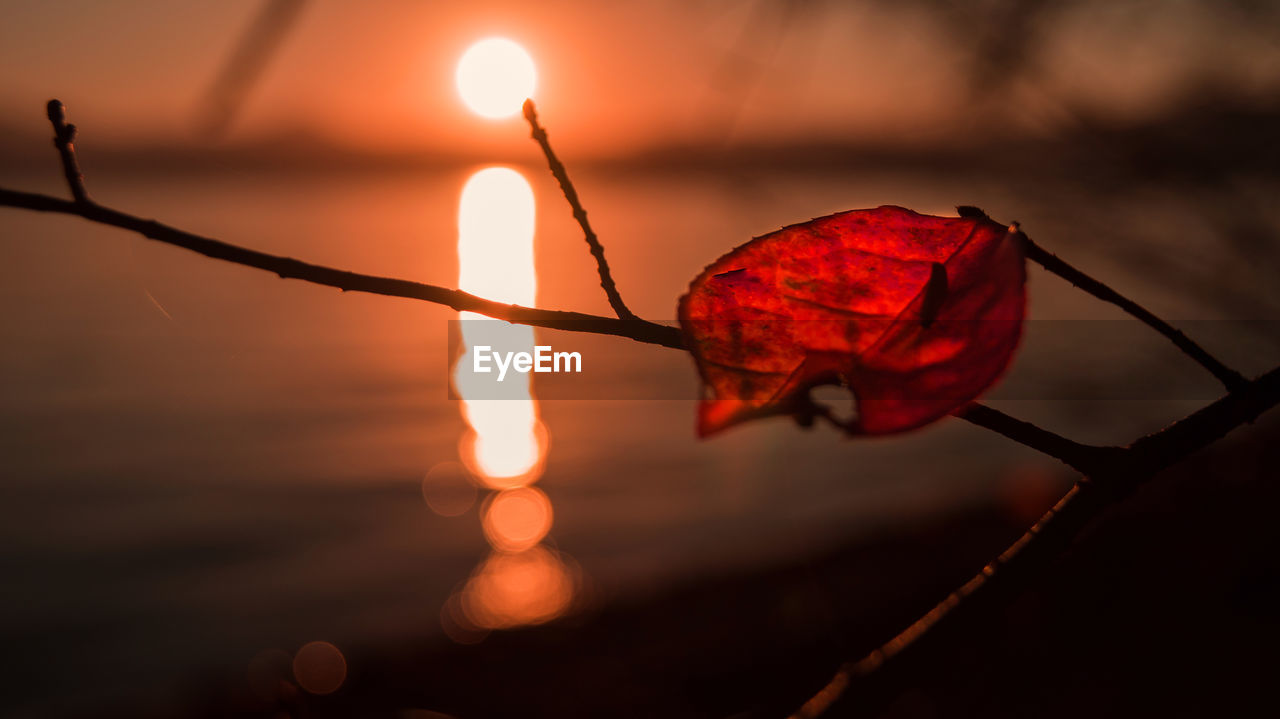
(494, 77)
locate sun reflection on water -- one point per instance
(522, 581)
(517, 519)
(495, 260)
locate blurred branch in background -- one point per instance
(248, 60)
(750, 57)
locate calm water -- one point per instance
(202, 462)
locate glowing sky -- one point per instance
(612, 76)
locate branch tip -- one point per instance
(64, 136)
(579, 213)
(55, 112)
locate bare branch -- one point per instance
(866, 686)
(289, 268)
(1084, 458)
(862, 688)
(580, 214)
(1207, 425)
(64, 136)
(1051, 262)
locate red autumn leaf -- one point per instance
(917, 315)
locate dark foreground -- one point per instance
(1168, 607)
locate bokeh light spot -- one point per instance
(517, 519)
(510, 590)
(319, 667)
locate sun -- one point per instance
(494, 77)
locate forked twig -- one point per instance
(64, 136)
(579, 214)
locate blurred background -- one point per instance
(222, 493)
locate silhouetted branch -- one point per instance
(1110, 472)
(1078, 456)
(864, 687)
(580, 214)
(289, 268)
(1051, 262)
(1084, 458)
(64, 136)
(1208, 424)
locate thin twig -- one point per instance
(865, 687)
(289, 268)
(1051, 262)
(64, 136)
(1208, 424)
(580, 214)
(1084, 458)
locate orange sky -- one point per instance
(614, 77)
